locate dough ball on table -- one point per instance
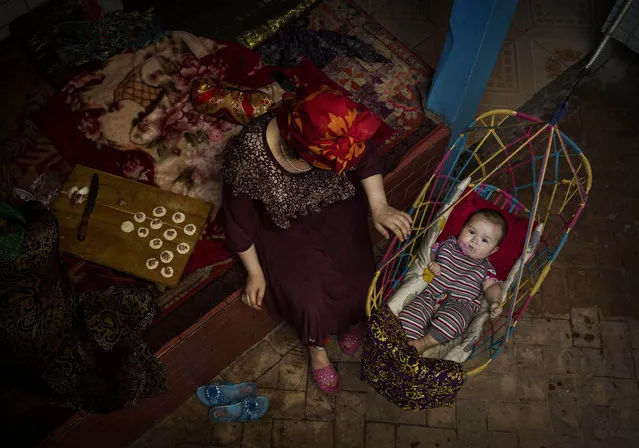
(127, 227)
(178, 217)
(139, 217)
(167, 272)
(152, 263)
(166, 256)
(170, 234)
(156, 224)
(190, 229)
(155, 243)
(159, 211)
(143, 232)
(183, 248)
(77, 199)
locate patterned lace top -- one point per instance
(251, 168)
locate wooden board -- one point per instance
(107, 244)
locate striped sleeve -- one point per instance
(435, 250)
(490, 271)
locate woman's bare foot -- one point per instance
(319, 357)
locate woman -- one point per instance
(295, 210)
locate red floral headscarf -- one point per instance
(326, 128)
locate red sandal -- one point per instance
(351, 340)
(327, 379)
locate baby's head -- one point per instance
(482, 233)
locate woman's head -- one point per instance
(326, 128)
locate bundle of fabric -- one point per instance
(89, 41)
(87, 349)
(249, 22)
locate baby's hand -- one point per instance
(435, 268)
(495, 309)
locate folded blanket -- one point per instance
(397, 372)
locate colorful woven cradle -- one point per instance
(525, 167)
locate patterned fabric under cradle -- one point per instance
(397, 372)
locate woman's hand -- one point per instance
(255, 287)
(254, 291)
(387, 218)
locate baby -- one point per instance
(461, 271)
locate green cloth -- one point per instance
(83, 42)
(12, 236)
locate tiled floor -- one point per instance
(569, 376)
(543, 391)
(545, 38)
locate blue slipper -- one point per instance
(251, 408)
(219, 394)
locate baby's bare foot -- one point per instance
(418, 344)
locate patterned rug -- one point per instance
(388, 88)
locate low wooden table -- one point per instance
(118, 201)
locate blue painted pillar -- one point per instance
(475, 36)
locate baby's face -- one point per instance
(479, 238)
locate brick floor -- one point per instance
(540, 395)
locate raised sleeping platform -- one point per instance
(203, 326)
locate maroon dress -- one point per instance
(310, 231)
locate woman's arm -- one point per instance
(241, 222)
(255, 287)
(385, 217)
(374, 188)
(250, 261)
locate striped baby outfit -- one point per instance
(459, 283)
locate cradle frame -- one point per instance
(512, 157)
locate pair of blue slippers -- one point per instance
(232, 402)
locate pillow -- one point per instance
(510, 248)
(222, 99)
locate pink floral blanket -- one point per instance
(139, 103)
